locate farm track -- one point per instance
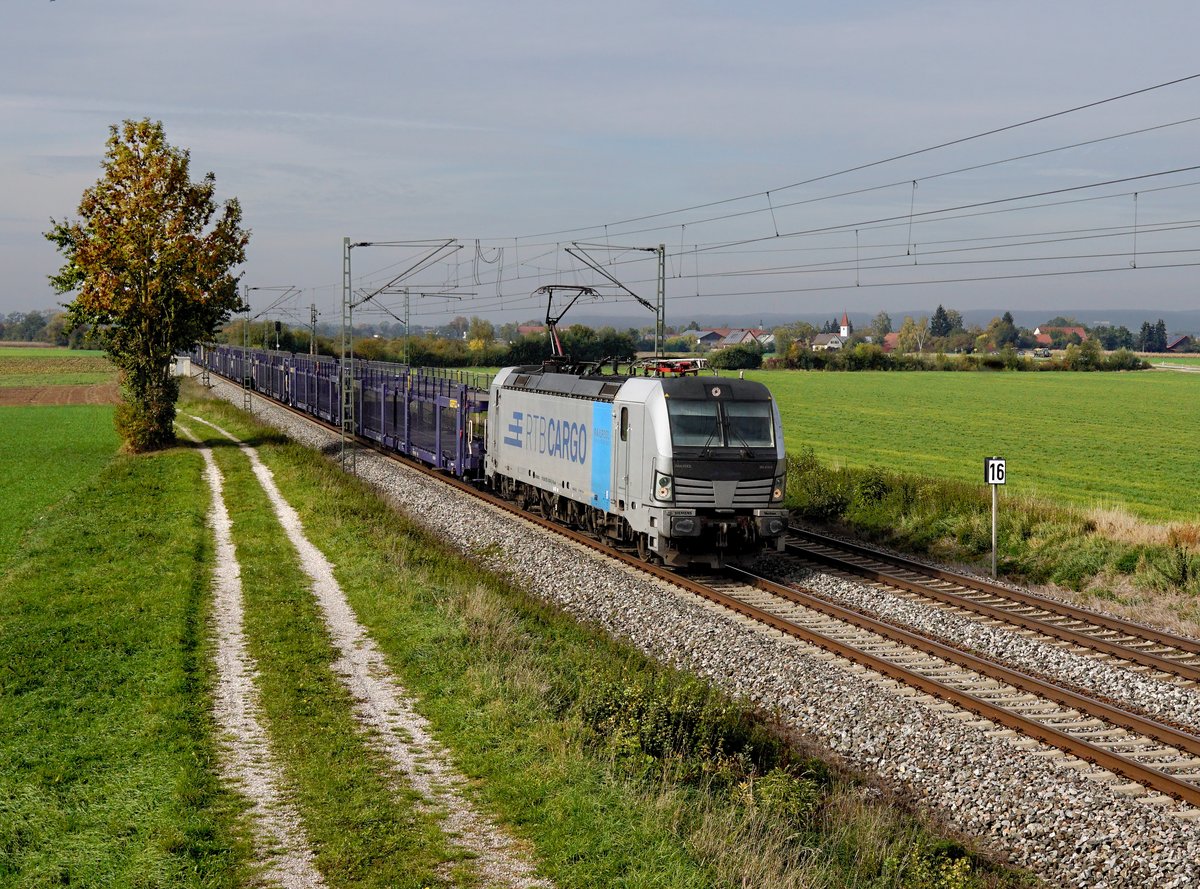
(1101, 634)
(1153, 755)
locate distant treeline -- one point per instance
(866, 356)
(580, 342)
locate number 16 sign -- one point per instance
(993, 470)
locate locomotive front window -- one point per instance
(694, 423)
(750, 424)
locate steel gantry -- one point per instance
(433, 251)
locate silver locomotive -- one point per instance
(686, 469)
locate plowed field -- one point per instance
(92, 393)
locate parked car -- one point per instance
(1041, 353)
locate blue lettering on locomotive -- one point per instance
(553, 437)
(514, 430)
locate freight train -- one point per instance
(686, 470)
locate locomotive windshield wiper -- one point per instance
(747, 451)
(704, 451)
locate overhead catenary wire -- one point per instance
(877, 163)
(529, 254)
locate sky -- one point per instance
(786, 154)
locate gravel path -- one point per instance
(383, 706)
(247, 764)
(1026, 802)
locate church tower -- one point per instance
(845, 329)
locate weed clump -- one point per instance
(764, 809)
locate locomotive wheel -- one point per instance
(643, 548)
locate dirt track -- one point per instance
(26, 396)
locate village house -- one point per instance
(723, 337)
(826, 342)
(1042, 334)
(1180, 344)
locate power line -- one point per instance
(877, 163)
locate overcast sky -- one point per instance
(527, 125)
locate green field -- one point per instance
(1190, 360)
(49, 453)
(1109, 440)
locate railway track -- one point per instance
(1156, 756)
(1152, 754)
(1147, 647)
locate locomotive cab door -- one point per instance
(631, 468)
(623, 424)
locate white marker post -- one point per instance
(993, 474)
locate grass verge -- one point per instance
(618, 771)
(1105, 552)
(106, 757)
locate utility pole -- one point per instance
(312, 329)
(660, 310)
(659, 307)
(432, 252)
(246, 351)
(348, 456)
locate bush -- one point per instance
(744, 357)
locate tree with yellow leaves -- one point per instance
(150, 262)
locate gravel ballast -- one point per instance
(1025, 802)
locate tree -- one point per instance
(1002, 331)
(882, 324)
(34, 323)
(1160, 336)
(1113, 338)
(940, 324)
(481, 332)
(148, 270)
(796, 332)
(1145, 335)
(912, 334)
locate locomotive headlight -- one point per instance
(664, 488)
(778, 489)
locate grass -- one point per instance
(538, 713)
(50, 453)
(1190, 360)
(1092, 440)
(108, 764)
(1100, 553)
(106, 758)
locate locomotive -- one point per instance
(683, 468)
(686, 469)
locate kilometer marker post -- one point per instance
(994, 475)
